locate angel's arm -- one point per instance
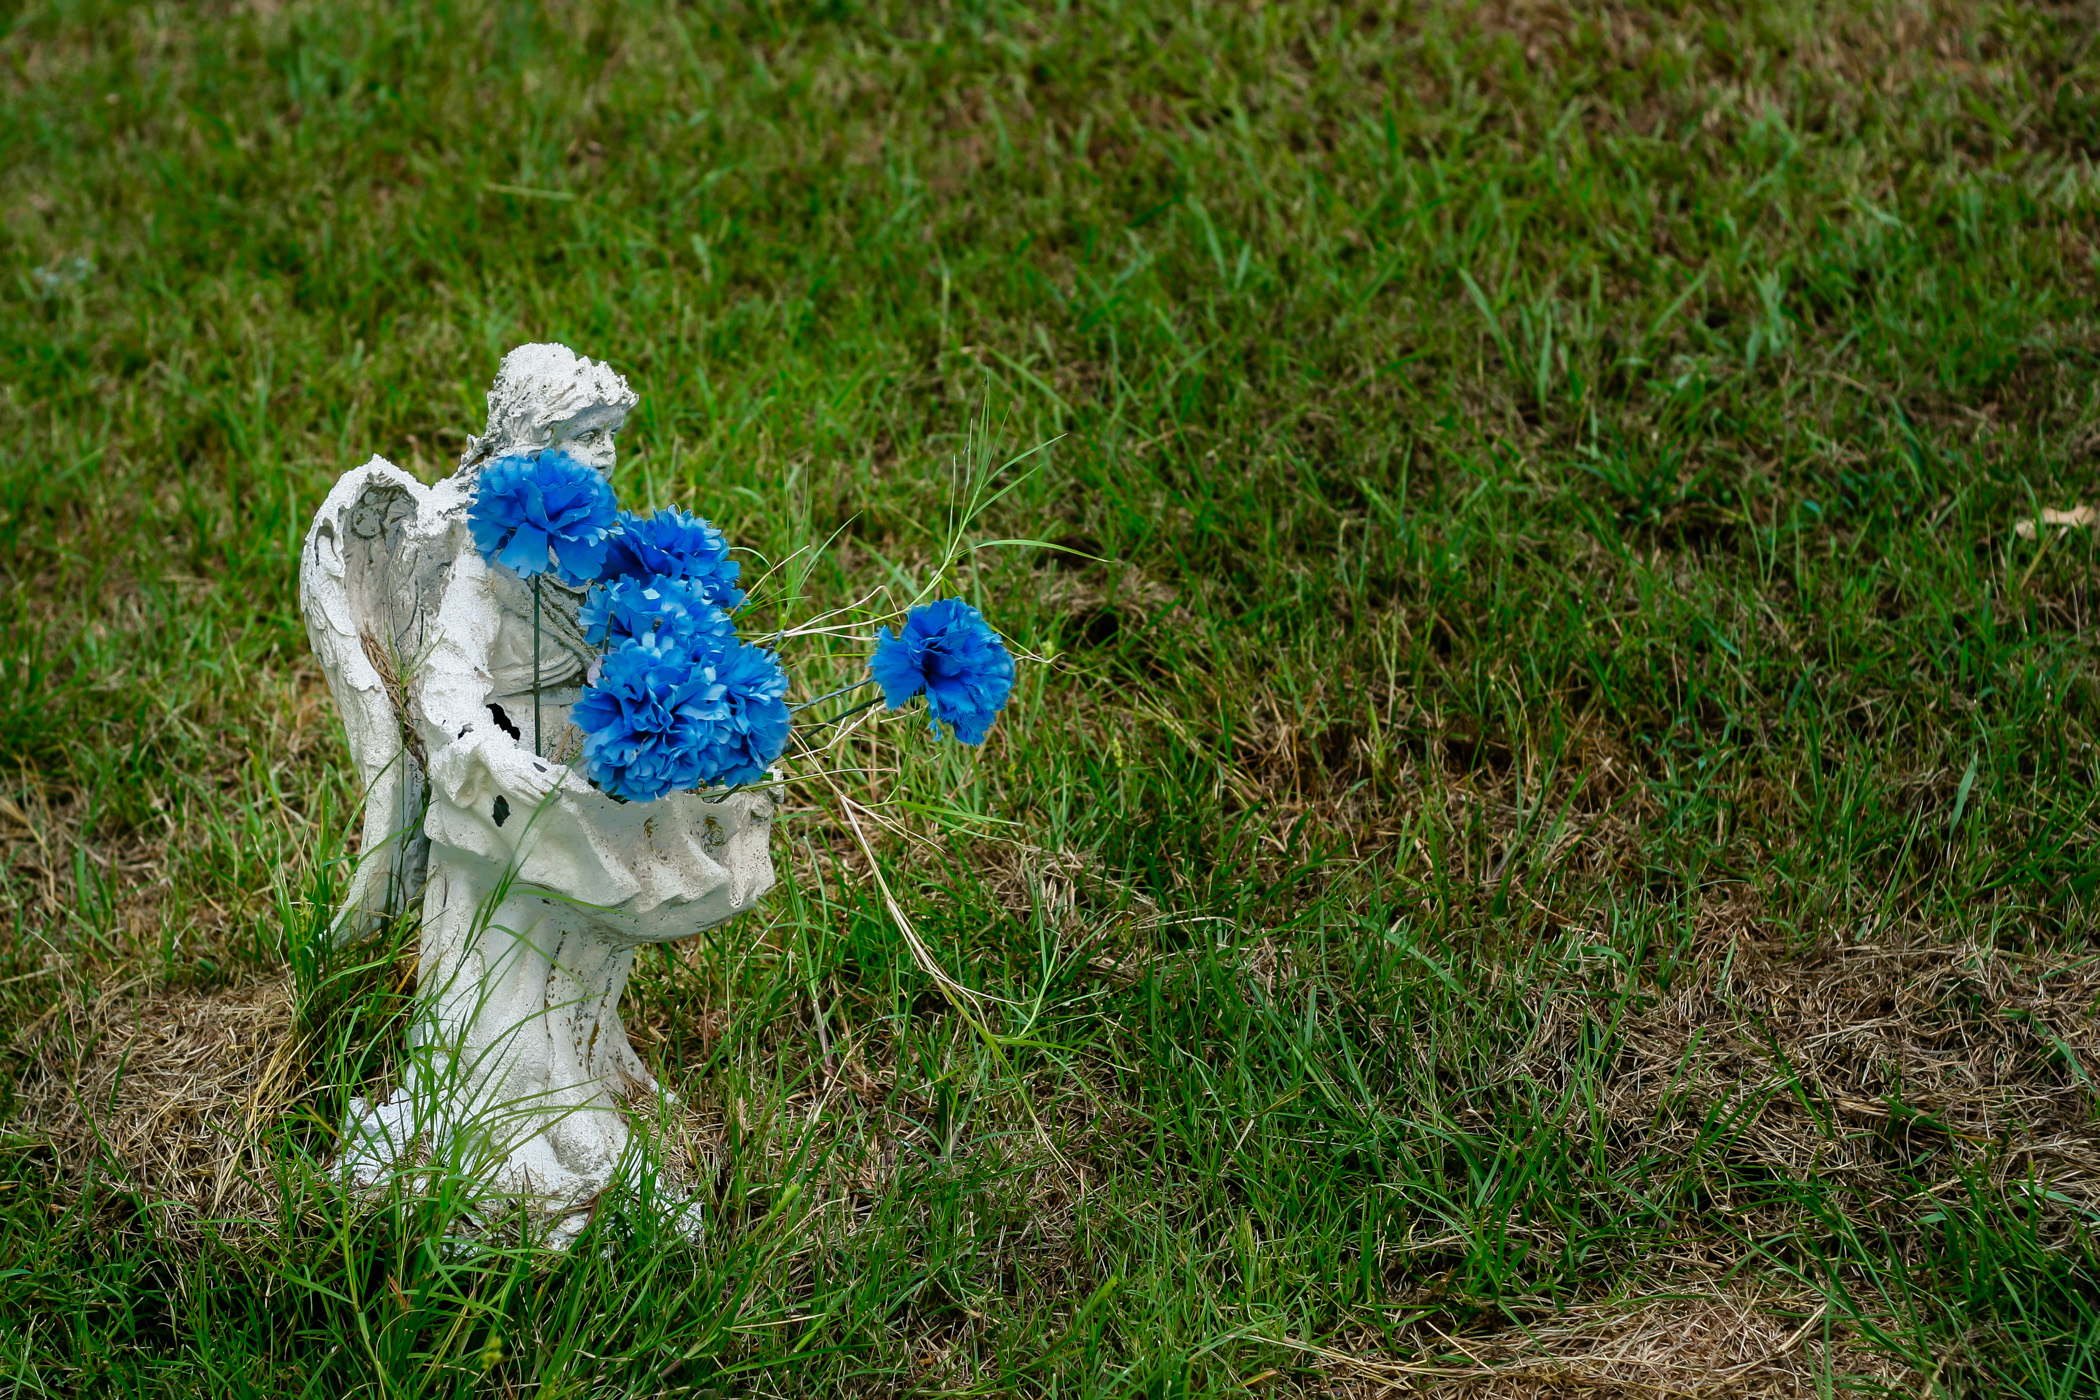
(472, 761)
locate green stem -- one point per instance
(535, 665)
(844, 715)
(832, 695)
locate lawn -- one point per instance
(1546, 841)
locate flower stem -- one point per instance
(844, 715)
(833, 695)
(535, 665)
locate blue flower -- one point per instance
(640, 607)
(543, 511)
(673, 544)
(947, 650)
(642, 720)
(748, 708)
(669, 713)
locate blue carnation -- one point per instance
(947, 650)
(748, 709)
(672, 712)
(541, 512)
(642, 720)
(673, 544)
(639, 607)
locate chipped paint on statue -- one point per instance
(532, 888)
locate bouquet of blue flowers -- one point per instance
(680, 701)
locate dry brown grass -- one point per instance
(1910, 1055)
(168, 1091)
(1730, 1342)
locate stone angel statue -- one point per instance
(531, 889)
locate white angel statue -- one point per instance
(534, 889)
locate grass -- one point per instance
(1550, 846)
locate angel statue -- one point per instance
(531, 887)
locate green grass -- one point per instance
(1568, 788)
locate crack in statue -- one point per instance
(533, 888)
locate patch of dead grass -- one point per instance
(1871, 1061)
(169, 1090)
(1727, 1343)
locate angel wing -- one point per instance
(368, 580)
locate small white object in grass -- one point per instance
(531, 889)
(2078, 517)
(62, 276)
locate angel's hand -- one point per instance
(518, 773)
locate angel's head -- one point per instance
(550, 396)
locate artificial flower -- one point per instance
(623, 607)
(946, 650)
(543, 512)
(671, 712)
(673, 544)
(642, 720)
(747, 707)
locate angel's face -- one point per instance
(593, 445)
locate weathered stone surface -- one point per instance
(533, 888)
